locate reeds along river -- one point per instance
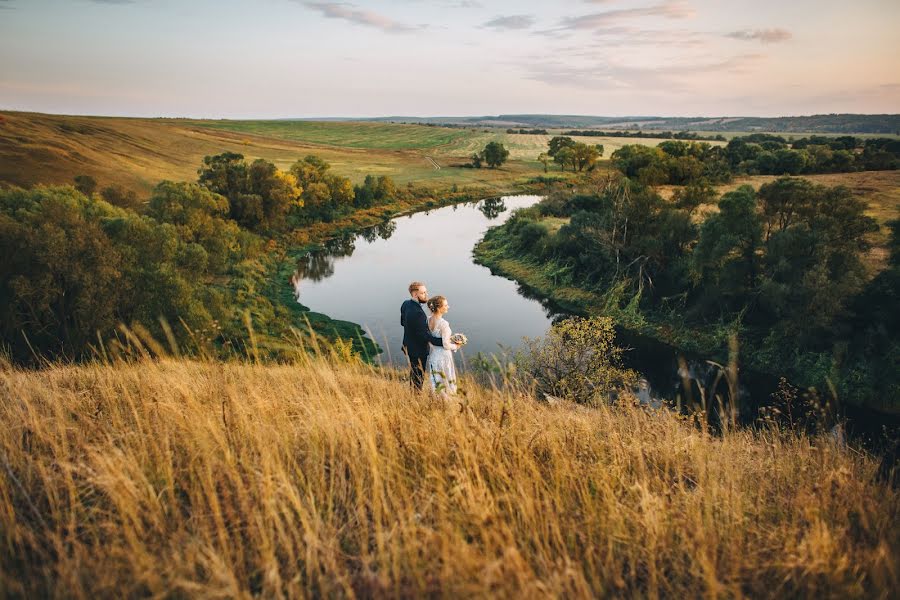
(364, 279)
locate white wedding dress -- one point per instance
(440, 365)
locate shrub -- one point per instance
(577, 360)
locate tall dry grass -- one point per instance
(179, 478)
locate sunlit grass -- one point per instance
(188, 478)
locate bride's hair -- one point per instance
(435, 302)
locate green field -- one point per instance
(351, 134)
(444, 144)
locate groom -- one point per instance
(415, 332)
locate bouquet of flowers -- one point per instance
(459, 339)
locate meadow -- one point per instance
(185, 478)
(138, 153)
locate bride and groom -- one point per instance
(428, 342)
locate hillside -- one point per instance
(180, 478)
(833, 123)
(138, 153)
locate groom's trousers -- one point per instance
(417, 370)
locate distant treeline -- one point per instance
(680, 162)
(528, 131)
(665, 135)
(831, 123)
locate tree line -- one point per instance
(784, 263)
(678, 162)
(184, 265)
(664, 135)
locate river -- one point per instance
(363, 278)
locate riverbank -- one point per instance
(710, 342)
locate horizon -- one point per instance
(292, 59)
(428, 118)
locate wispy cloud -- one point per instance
(766, 36)
(669, 9)
(511, 22)
(609, 74)
(351, 14)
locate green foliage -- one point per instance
(79, 267)
(325, 195)
(766, 154)
(783, 265)
(559, 142)
(121, 197)
(577, 360)
(495, 154)
(679, 162)
(259, 195)
(374, 191)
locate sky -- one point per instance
(294, 58)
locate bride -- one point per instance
(440, 360)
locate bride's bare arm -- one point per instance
(445, 336)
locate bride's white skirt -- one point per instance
(442, 371)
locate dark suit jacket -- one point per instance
(415, 329)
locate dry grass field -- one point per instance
(138, 153)
(191, 479)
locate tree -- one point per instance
(726, 259)
(476, 160)
(557, 143)
(790, 162)
(495, 154)
(120, 196)
(224, 174)
(85, 184)
(584, 155)
(260, 195)
(544, 159)
(565, 156)
(633, 158)
(693, 195)
(578, 360)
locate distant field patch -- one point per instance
(347, 134)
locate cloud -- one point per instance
(669, 9)
(348, 12)
(511, 22)
(609, 74)
(766, 36)
(634, 36)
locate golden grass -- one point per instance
(180, 478)
(139, 153)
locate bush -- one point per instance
(577, 360)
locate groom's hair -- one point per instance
(414, 286)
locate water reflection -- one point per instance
(492, 207)
(369, 286)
